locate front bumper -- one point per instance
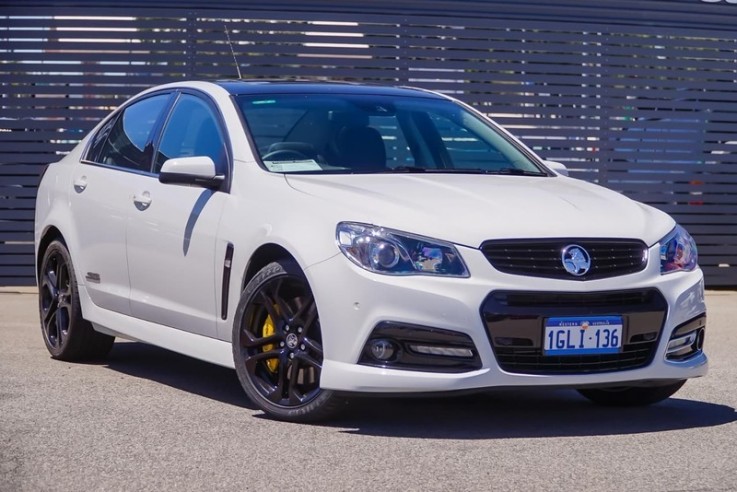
(352, 302)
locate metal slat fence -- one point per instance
(648, 110)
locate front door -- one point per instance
(172, 233)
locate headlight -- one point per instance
(390, 252)
(678, 251)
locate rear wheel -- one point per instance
(68, 336)
(277, 346)
(631, 396)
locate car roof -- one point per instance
(260, 86)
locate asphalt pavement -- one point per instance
(149, 419)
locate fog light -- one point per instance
(700, 339)
(447, 351)
(382, 350)
(685, 345)
(684, 342)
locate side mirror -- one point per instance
(193, 171)
(557, 167)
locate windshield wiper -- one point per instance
(506, 170)
(515, 171)
(435, 170)
(405, 169)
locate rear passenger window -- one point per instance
(192, 130)
(125, 141)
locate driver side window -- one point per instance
(192, 130)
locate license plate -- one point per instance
(583, 335)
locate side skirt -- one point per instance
(197, 346)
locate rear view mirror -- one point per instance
(557, 167)
(196, 171)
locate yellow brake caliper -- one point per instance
(268, 329)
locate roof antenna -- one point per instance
(227, 35)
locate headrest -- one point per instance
(362, 148)
(348, 118)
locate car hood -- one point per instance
(469, 209)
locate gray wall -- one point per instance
(638, 96)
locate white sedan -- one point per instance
(326, 239)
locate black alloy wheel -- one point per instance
(277, 346)
(67, 335)
(56, 306)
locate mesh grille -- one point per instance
(617, 299)
(533, 361)
(609, 257)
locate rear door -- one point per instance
(172, 240)
(117, 161)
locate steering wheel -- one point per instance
(285, 155)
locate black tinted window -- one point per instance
(398, 152)
(125, 141)
(192, 130)
(349, 133)
(466, 149)
(271, 125)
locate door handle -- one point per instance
(80, 184)
(142, 201)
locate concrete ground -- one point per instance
(148, 419)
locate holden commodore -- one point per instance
(329, 239)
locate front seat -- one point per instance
(359, 148)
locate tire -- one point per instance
(631, 396)
(67, 335)
(277, 346)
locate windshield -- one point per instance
(338, 133)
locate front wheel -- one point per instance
(277, 346)
(631, 396)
